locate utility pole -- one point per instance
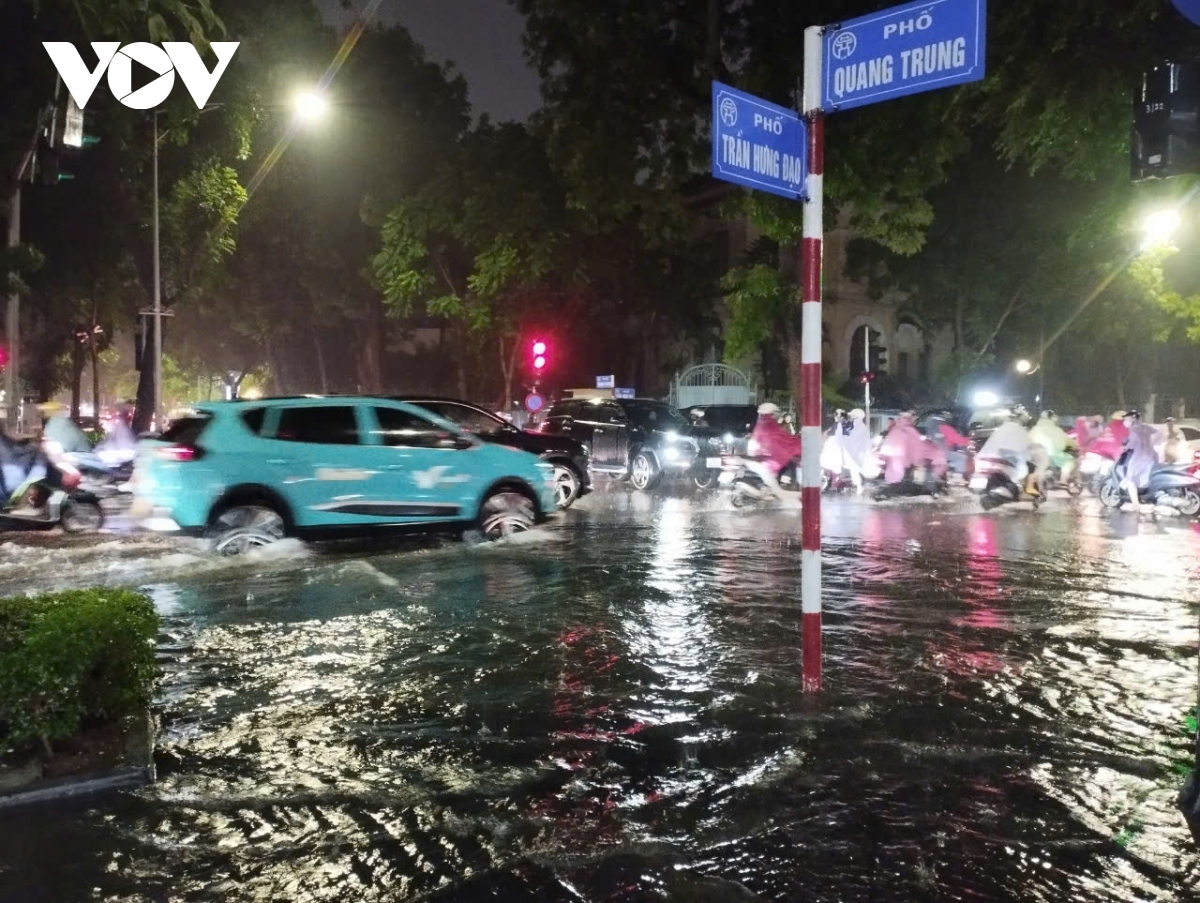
(158, 421)
(867, 369)
(12, 327)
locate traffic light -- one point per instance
(866, 378)
(541, 358)
(3, 357)
(877, 361)
(1166, 128)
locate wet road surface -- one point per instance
(610, 709)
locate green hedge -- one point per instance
(67, 657)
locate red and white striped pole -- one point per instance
(810, 367)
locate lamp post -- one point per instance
(1159, 227)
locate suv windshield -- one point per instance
(654, 415)
(730, 418)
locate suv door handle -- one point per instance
(280, 461)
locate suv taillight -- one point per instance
(181, 453)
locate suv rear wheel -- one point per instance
(506, 512)
(239, 529)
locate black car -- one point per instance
(572, 476)
(637, 438)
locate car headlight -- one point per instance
(547, 471)
(730, 438)
(672, 436)
(671, 453)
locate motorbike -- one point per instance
(1094, 469)
(998, 481)
(744, 478)
(1073, 483)
(1170, 486)
(918, 480)
(50, 498)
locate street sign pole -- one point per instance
(867, 369)
(810, 367)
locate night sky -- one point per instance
(481, 37)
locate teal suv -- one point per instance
(247, 473)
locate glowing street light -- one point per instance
(1159, 227)
(310, 105)
(1025, 367)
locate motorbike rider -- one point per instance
(903, 448)
(1139, 443)
(857, 447)
(1057, 444)
(1010, 442)
(774, 446)
(1174, 448)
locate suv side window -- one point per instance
(562, 409)
(469, 419)
(254, 419)
(603, 413)
(400, 429)
(319, 425)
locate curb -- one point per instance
(124, 778)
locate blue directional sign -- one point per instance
(1190, 8)
(624, 393)
(903, 50)
(757, 143)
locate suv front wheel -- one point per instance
(241, 528)
(644, 472)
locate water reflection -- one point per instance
(616, 715)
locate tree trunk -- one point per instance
(95, 357)
(958, 323)
(76, 378)
(508, 363)
(460, 338)
(713, 50)
(143, 414)
(321, 363)
(370, 361)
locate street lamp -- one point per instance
(1025, 367)
(310, 105)
(1158, 228)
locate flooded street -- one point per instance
(610, 709)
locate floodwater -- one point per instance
(611, 710)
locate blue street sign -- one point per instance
(1190, 8)
(605, 382)
(757, 143)
(624, 393)
(534, 402)
(903, 50)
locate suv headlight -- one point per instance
(547, 472)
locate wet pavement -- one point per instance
(610, 709)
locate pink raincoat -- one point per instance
(1111, 440)
(902, 448)
(1082, 434)
(775, 445)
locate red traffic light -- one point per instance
(3, 356)
(539, 348)
(539, 363)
